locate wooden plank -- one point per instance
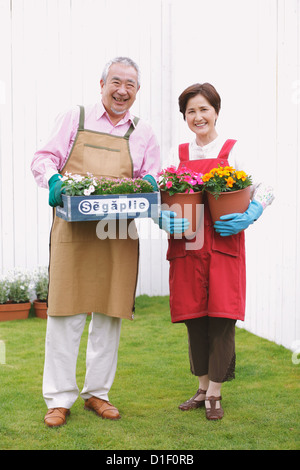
(296, 102)
(18, 134)
(29, 124)
(6, 161)
(288, 152)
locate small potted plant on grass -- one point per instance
(15, 288)
(41, 292)
(4, 290)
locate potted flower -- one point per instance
(88, 198)
(228, 191)
(16, 289)
(179, 180)
(181, 192)
(4, 290)
(41, 292)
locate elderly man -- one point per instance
(87, 274)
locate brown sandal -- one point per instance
(213, 412)
(192, 403)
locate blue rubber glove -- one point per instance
(231, 224)
(152, 181)
(167, 221)
(55, 190)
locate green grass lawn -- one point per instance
(261, 405)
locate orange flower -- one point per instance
(230, 182)
(241, 175)
(206, 177)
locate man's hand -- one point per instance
(152, 181)
(55, 190)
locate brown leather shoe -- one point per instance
(192, 403)
(56, 417)
(102, 408)
(213, 412)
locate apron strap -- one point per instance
(81, 119)
(184, 152)
(126, 136)
(131, 128)
(225, 150)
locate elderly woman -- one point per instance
(207, 285)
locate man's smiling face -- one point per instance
(119, 91)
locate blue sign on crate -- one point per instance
(108, 206)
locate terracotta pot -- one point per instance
(228, 203)
(40, 309)
(12, 311)
(186, 206)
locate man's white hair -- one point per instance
(120, 60)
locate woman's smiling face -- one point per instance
(201, 117)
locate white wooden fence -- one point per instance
(51, 57)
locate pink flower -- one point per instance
(187, 179)
(189, 191)
(169, 184)
(182, 170)
(172, 169)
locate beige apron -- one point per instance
(87, 274)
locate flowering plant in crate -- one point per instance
(77, 185)
(225, 179)
(179, 180)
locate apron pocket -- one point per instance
(176, 248)
(227, 245)
(70, 232)
(102, 161)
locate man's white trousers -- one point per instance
(61, 350)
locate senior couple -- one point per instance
(105, 139)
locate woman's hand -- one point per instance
(231, 224)
(170, 223)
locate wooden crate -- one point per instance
(109, 207)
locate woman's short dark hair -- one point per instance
(205, 89)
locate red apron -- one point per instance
(211, 280)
